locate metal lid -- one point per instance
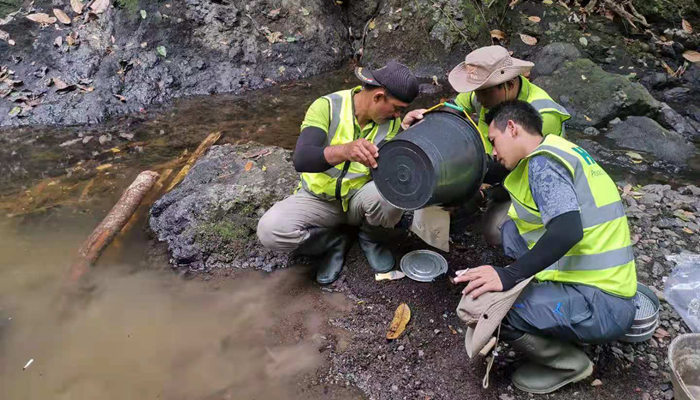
(423, 265)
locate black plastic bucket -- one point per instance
(437, 161)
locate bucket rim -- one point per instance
(671, 347)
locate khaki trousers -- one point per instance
(284, 226)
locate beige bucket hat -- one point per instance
(487, 67)
(485, 314)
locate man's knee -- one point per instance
(493, 221)
(265, 231)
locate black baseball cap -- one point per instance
(394, 77)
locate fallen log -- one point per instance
(146, 202)
(203, 147)
(110, 226)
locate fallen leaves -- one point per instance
(63, 17)
(143, 14)
(257, 153)
(15, 111)
(99, 6)
(248, 166)
(535, 19)
(41, 18)
(58, 41)
(498, 35)
(401, 317)
(372, 24)
(273, 37)
(686, 26)
(692, 56)
(162, 51)
(668, 69)
(120, 97)
(528, 40)
(513, 3)
(688, 231)
(661, 333)
(636, 157)
(77, 6)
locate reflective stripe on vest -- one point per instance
(604, 257)
(342, 181)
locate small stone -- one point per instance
(583, 41)
(652, 358)
(615, 121)
(654, 365)
(668, 395)
(646, 396)
(421, 353)
(437, 331)
(617, 351)
(505, 396)
(597, 382)
(105, 138)
(394, 388)
(591, 131)
(86, 139)
(401, 348)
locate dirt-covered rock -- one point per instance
(138, 53)
(646, 135)
(595, 97)
(209, 220)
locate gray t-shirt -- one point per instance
(552, 187)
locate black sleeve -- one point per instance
(308, 155)
(561, 234)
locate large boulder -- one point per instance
(125, 62)
(595, 97)
(646, 135)
(209, 220)
(553, 56)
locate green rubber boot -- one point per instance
(553, 364)
(378, 256)
(334, 246)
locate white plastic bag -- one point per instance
(682, 288)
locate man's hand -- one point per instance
(481, 280)
(412, 117)
(362, 151)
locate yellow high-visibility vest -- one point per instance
(604, 258)
(341, 181)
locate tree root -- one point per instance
(625, 9)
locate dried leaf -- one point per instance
(264, 168)
(70, 40)
(63, 17)
(305, 11)
(548, 2)
(99, 6)
(143, 14)
(528, 40)
(144, 44)
(401, 317)
(372, 24)
(15, 111)
(587, 118)
(121, 98)
(274, 13)
(692, 56)
(634, 156)
(103, 166)
(688, 231)
(60, 85)
(85, 88)
(162, 51)
(273, 37)
(513, 3)
(77, 6)
(499, 35)
(686, 26)
(661, 333)
(41, 18)
(535, 19)
(58, 42)
(248, 166)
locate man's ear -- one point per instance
(512, 128)
(378, 95)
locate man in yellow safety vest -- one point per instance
(337, 147)
(567, 227)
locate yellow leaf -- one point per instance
(401, 317)
(587, 118)
(692, 56)
(686, 26)
(535, 19)
(496, 34)
(548, 2)
(688, 230)
(114, 150)
(668, 69)
(77, 6)
(528, 40)
(103, 166)
(372, 25)
(248, 166)
(513, 3)
(634, 156)
(264, 168)
(41, 18)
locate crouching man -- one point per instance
(574, 278)
(337, 146)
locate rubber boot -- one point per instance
(334, 245)
(552, 365)
(378, 256)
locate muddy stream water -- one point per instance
(142, 332)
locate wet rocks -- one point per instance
(595, 97)
(553, 56)
(209, 220)
(646, 135)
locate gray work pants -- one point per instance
(284, 227)
(568, 312)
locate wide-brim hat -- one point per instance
(484, 315)
(487, 67)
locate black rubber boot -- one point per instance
(334, 245)
(552, 365)
(378, 256)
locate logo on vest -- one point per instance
(583, 153)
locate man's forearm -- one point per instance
(335, 155)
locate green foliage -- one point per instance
(131, 6)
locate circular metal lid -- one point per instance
(423, 265)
